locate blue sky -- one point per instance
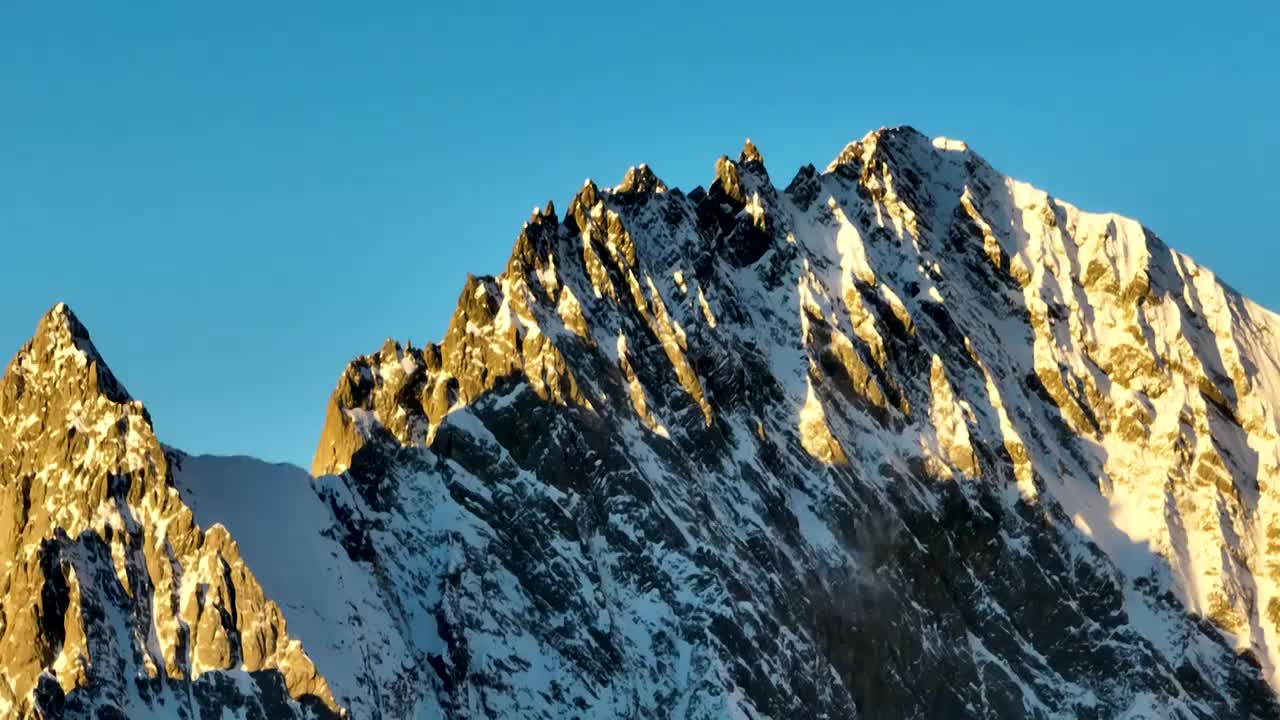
(237, 199)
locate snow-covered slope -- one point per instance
(284, 529)
(906, 439)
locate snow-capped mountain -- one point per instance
(908, 438)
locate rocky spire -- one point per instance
(727, 177)
(535, 240)
(580, 206)
(640, 179)
(751, 165)
(61, 344)
(95, 544)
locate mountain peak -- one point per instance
(750, 153)
(584, 200)
(60, 324)
(897, 138)
(899, 134)
(640, 179)
(62, 346)
(91, 523)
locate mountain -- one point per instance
(114, 603)
(908, 438)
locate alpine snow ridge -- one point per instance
(908, 438)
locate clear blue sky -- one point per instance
(237, 198)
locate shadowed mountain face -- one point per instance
(905, 439)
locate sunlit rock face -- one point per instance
(907, 438)
(113, 602)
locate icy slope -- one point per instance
(283, 527)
